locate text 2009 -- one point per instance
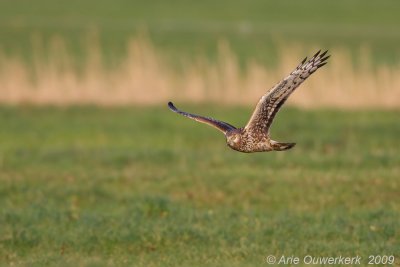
(378, 259)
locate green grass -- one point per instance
(85, 186)
(254, 28)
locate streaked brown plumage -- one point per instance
(254, 137)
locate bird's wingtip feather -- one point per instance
(171, 106)
(316, 54)
(323, 54)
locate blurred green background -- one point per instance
(254, 28)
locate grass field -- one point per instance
(85, 186)
(95, 171)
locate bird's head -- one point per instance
(233, 138)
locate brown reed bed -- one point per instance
(147, 77)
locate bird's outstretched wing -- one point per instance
(270, 103)
(220, 125)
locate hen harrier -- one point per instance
(254, 137)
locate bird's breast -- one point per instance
(249, 144)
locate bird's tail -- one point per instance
(277, 146)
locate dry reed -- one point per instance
(145, 76)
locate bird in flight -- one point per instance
(255, 137)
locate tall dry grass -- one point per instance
(145, 76)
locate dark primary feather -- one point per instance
(220, 125)
(271, 102)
